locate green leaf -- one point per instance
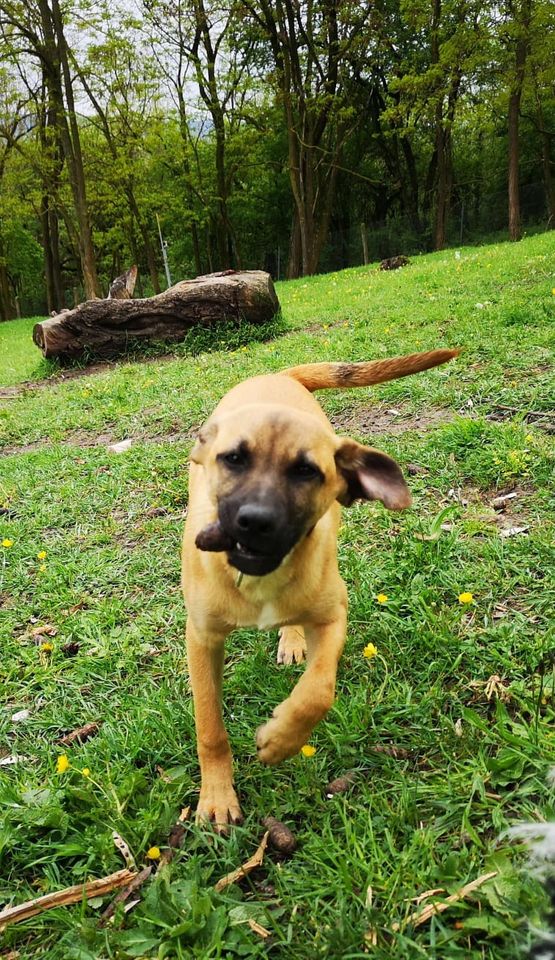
(136, 943)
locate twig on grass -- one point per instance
(62, 898)
(259, 929)
(246, 868)
(124, 895)
(419, 917)
(81, 734)
(174, 842)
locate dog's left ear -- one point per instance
(370, 475)
(205, 437)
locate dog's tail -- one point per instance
(322, 376)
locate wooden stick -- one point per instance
(81, 734)
(431, 909)
(61, 898)
(124, 894)
(251, 864)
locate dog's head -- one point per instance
(272, 474)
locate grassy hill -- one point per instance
(450, 726)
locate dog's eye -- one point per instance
(302, 470)
(234, 459)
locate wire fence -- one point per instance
(473, 219)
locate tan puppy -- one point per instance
(267, 477)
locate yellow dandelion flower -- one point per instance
(466, 598)
(382, 598)
(47, 647)
(62, 763)
(153, 853)
(7, 543)
(42, 568)
(41, 555)
(553, 291)
(370, 651)
(86, 772)
(308, 750)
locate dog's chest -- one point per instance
(259, 611)
(268, 617)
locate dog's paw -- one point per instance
(218, 804)
(292, 645)
(276, 740)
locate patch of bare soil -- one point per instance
(80, 438)
(73, 373)
(375, 420)
(543, 419)
(507, 509)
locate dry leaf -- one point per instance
(10, 760)
(123, 848)
(46, 630)
(176, 834)
(494, 687)
(513, 531)
(21, 715)
(120, 447)
(242, 871)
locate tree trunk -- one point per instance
(546, 160)
(7, 304)
(514, 189)
(59, 80)
(106, 327)
(521, 53)
(294, 262)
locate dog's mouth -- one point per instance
(244, 557)
(254, 562)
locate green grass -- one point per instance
(111, 526)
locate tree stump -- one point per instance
(108, 327)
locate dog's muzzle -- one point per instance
(255, 536)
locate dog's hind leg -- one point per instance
(292, 645)
(218, 800)
(294, 719)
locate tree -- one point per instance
(311, 50)
(37, 28)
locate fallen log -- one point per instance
(108, 327)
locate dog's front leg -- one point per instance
(218, 800)
(295, 718)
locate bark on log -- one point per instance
(106, 327)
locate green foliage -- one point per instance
(212, 153)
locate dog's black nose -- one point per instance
(255, 518)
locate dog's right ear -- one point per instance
(370, 474)
(204, 440)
